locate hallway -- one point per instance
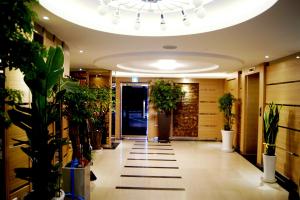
(189, 170)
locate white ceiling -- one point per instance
(275, 33)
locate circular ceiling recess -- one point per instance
(157, 17)
(160, 62)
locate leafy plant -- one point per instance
(165, 96)
(101, 107)
(225, 106)
(41, 144)
(78, 107)
(11, 97)
(17, 50)
(271, 119)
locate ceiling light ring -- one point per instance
(166, 54)
(155, 71)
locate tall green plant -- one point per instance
(16, 19)
(101, 108)
(271, 119)
(165, 96)
(225, 106)
(41, 144)
(78, 103)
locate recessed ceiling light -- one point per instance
(46, 18)
(80, 51)
(267, 56)
(166, 64)
(297, 57)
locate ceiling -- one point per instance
(274, 33)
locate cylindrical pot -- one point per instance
(62, 196)
(269, 168)
(227, 137)
(164, 126)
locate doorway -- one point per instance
(252, 116)
(134, 109)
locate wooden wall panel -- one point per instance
(283, 87)
(210, 118)
(288, 140)
(20, 194)
(232, 85)
(288, 165)
(287, 93)
(289, 67)
(16, 158)
(290, 117)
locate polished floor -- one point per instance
(184, 170)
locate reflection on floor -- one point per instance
(185, 170)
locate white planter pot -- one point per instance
(269, 168)
(62, 196)
(227, 137)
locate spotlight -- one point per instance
(102, 9)
(163, 25)
(116, 17)
(198, 3)
(200, 12)
(106, 1)
(137, 22)
(184, 18)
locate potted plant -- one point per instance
(78, 108)
(41, 146)
(165, 97)
(42, 71)
(225, 105)
(271, 119)
(98, 120)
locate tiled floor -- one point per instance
(206, 171)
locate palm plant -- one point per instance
(225, 106)
(271, 119)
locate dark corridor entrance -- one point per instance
(134, 109)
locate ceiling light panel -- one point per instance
(157, 17)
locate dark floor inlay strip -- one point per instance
(149, 188)
(157, 145)
(151, 159)
(155, 167)
(152, 153)
(151, 148)
(145, 176)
